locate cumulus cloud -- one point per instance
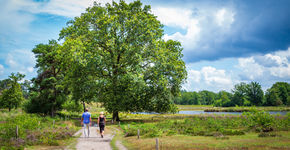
(224, 29)
(224, 18)
(1, 69)
(266, 69)
(22, 61)
(208, 78)
(13, 16)
(204, 28)
(180, 18)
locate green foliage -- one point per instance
(48, 92)
(207, 97)
(260, 121)
(12, 94)
(210, 125)
(224, 99)
(255, 93)
(197, 126)
(32, 130)
(188, 98)
(240, 96)
(115, 54)
(72, 106)
(5, 84)
(278, 94)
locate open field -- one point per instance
(184, 142)
(252, 130)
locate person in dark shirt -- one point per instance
(102, 123)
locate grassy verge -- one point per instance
(33, 130)
(255, 130)
(248, 141)
(117, 137)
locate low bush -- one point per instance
(211, 125)
(33, 130)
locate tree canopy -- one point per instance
(48, 92)
(118, 52)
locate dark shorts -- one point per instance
(102, 127)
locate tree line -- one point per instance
(241, 95)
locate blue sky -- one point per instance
(225, 41)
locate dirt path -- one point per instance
(94, 142)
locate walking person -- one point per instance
(102, 123)
(86, 122)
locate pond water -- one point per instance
(197, 112)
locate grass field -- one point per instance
(255, 130)
(182, 142)
(33, 130)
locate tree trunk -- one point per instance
(84, 106)
(52, 111)
(116, 116)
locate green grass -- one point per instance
(33, 130)
(208, 131)
(248, 141)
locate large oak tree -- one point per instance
(117, 51)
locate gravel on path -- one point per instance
(94, 141)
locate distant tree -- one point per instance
(224, 99)
(195, 98)
(272, 98)
(120, 51)
(207, 97)
(4, 84)
(240, 96)
(255, 93)
(47, 93)
(25, 86)
(278, 94)
(188, 98)
(12, 94)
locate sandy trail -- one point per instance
(94, 142)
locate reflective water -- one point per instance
(197, 112)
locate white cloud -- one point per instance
(67, 8)
(181, 18)
(14, 17)
(268, 67)
(208, 78)
(10, 61)
(204, 27)
(1, 69)
(251, 70)
(21, 61)
(224, 18)
(30, 69)
(215, 77)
